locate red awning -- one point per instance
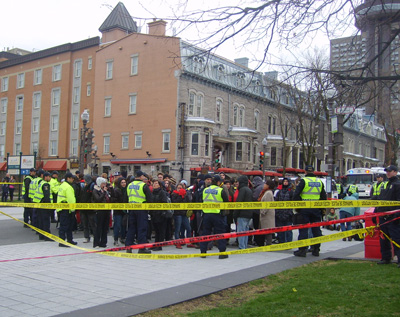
(227, 170)
(198, 169)
(55, 166)
(260, 173)
(138, 161)
(317, 173)
(291, 170)
(3, 166)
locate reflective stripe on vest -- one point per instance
(212, 194)
(377, 188)
(38, 196)
(136, 193)
(352, 189)
(339, 188)
(33, 187)
(312, 188)
(23, 187)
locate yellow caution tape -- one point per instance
(197, 206)
(268, 248)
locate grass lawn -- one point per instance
(324, 288)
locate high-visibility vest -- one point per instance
(23, 187)
(212, 194)
(66, 194)
(352, 189)
(135, 192)
(377, 188)
(312, 188)
(54, 185)
(33, 188)
(39, 192)
(339, 188)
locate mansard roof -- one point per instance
(119, 18)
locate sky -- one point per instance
(41, 24)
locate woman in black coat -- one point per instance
(120, 216)
(101, 195)
(159, 217)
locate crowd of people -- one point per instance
(130, 227)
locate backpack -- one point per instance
(167, 213)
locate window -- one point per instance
(2, 150)
(199, 105)
(57, 72)
(256, 120)
(75, 121)
(74, 147)
(78, 69)
(37, 100)
(88, 89)
(35, 125)
(18, 126)
(125, 141)
(132, 103)
(17, 148)
(273, 156)
(166, 141)
(90, 63)
(76, 95)
(218, 109)
(273, 125)
(3, 105)
(249, 152)
(53, 147)
(207, 145)
(35, 147)
(192, 98)
(4, 84)
(56, 97)
(20, 80)
(20, 103)
(197, 64)
(37, 77)
(107, 107)
(195, 143)
(235, 115)
(254, 154)
(239, 153)
(54, 123)
(106, 144)
(240, 80)
(138, 140)
(2, 128)
(134, 64)
(109, 69)
(269, 124)
(241, 117)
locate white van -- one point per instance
(335, 194)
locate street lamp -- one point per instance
(85, 120)
(264, 144)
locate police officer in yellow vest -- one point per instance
(43, 195)
(340, 190)
(309, 188)
(138, 192)
(33, 187)
(54, 186)
(352, 189)
(214, 218)
(377, 187)
(66, 194)
(25, 194)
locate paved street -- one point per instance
(99, 285)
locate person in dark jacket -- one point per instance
(158, 217)
(390, 228)
(88, 216)
(243, 215)
(284, 217)
(120, 196)
(258, 186)
(101, 195)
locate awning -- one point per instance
(260, 173)
(138, 161)
(227, 170)
(3, 166)
(55, 166)
(291, 170)
(317, 173)
(39, 165)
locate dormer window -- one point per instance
(219, 71)
(197, 64)
(240, 79)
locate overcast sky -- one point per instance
(41, 24)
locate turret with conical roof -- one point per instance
(118, 24)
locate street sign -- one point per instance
(345, 110)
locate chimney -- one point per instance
(157, 27)
(244, 61)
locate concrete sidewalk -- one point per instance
(99, 285)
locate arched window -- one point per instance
(218, 110)
(256, 120)
(241, 116)
(235, 115)
(195, 104)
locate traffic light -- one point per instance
(218, 159)
(261, 160)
